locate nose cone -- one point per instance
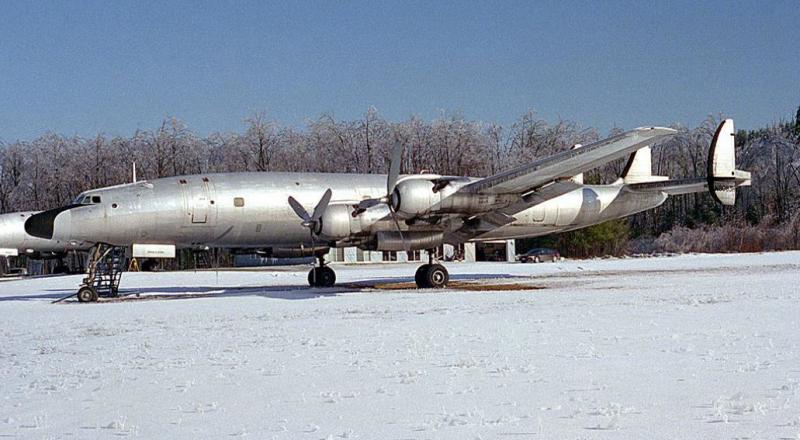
(47, 224)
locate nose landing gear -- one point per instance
(431, 275)
(322, 276)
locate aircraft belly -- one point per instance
(518, 231)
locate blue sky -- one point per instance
(115, 66)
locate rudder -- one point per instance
(723, 177)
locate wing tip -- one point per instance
(657, 129)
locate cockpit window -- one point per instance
(87, 200)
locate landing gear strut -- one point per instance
(431, 275)
(322, 276)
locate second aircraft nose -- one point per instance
(48, 224)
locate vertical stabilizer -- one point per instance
(578, 178)
(639, 168)
(723, 177)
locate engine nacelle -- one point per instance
(338, 221)
(415, 197)
(421, 196)
(391, 240)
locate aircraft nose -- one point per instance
(45, 224)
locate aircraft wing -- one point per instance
(567, 163)
(548, 178)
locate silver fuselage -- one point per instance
(14, 237)
(250, 210)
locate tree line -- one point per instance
(52, 169)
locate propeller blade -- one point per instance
(299, 210)
(394, 167)
(322, 205)
(313, 255)
(397, 225)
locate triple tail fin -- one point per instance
(723, 177)
(639, 168)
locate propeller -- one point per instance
(312, 222)
(391, 183)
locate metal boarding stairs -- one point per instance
(104, 272)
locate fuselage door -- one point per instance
(199, 204)
(200, 201)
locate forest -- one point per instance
(50, 170)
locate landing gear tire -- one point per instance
(431, 276)
(87, 294)
(321, 277)
(437, 276)
(420, 276)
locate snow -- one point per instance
(696, 346)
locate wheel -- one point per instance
(87, 294)
(321, 277)
(419, 277)
(436, 276)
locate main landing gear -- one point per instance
(428, 276)
(321, 276)
(431, 275)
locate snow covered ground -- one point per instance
(699, 346)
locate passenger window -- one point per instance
(95, 199)
(238, 202)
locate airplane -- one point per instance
(14, 241)
(269, 211)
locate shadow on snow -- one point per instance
(287, 292)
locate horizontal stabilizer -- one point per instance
(722, 180)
